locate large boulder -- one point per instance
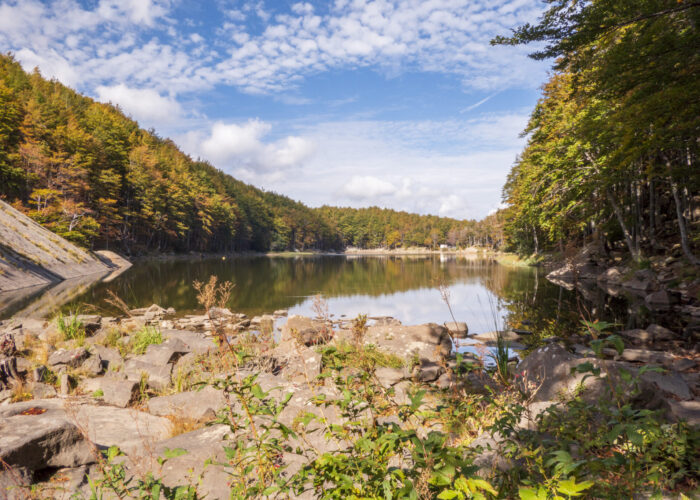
(158, 376)
(162, 354)
(67, 357)
(38, 434)
(195, 342)
(305, 330)
(457, 328)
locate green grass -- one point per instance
(148, 335)
(362, 357)
(71, 327)
(511, 259)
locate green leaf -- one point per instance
(573, 489)
(448, 495)
(175, 452)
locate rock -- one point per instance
(197, 405)
(93, 365)
(38, 373)
(267, 323)
(688, 411)
(671, 383)
(193, 341)
(201, 445)
(38, 434)
(546, 373)
(114, 392)
(651, 333)
(280, 312)
(135, 432)
(507, 335)
(220, 313)
(647, 356)
(612, 276)
(457, 329)
(308, 331)
(298, 363)
(162, 354)
(158, 376)
(42, 391)
(660, 299)
(65, 384)
(444, 381)
(111, 359)
(683, 364)
(428, 371)
(390, 376)
(492, 455)
(68, 357)
(91, 322)
(637, 284)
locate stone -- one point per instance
(390, 376)
(280, 312)
(201, 445)
(38, 373)
(308, 331)
(298, 363)
(164, 353)
(646, 356)
(91, 322)
(507, 335)
(193, 341)
(444, 381)
(683, 364)
(40, 390)
(114, 392)
(660, 299)
(612, 276)
(68, 357)
(658, 332)
(220, 313)
(38, 434)
(492, 455)
(637, 284)
(93, 365)
(546, 374)
(428, 371)
(197, 405)
(671, 383)
(65, 384)
(158, 376)
(688, 411)
(457, 329)
(111, 359)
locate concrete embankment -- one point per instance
(32, 256)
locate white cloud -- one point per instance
(242, 147)
(367, 187)
(144, 105)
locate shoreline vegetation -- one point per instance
(149, 404)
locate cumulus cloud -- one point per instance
(142, 104)
(242, 146)
(135, 42)
(367, 187)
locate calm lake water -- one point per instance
(482, 292)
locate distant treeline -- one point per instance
(613, 143)
(378, 227)
(89, 173)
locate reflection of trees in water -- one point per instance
(264, 284)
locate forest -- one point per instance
(613, 142)
(89, 173)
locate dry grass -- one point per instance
(20, 392)
(183, 425)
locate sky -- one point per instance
(393, 103)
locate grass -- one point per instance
(71, 327)
(182, 425)
(514, 260)
(363, 356)
(148, 335)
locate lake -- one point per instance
(482, 292)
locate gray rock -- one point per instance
(41, 440)
(308, 331)
(647, 356)
(194, 342)
(43, 391)
(220, 313)
(65, 384)
(68, 357)
(671, 383)
(162, 354)
(91, 322)
(637, 284)
(197, 405)
(299, 363)
(457, 329)
(111, 359)
(158, 376)
(611, 276)
(390, 376)
(114, 392)
(660, 299)
(683, 364)
(428, 371)
(93, 365)
(281, 312)
(688, 411)
(507, 335)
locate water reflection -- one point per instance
(483, 293)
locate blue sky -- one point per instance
(395, 103)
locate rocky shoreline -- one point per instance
(149, 382)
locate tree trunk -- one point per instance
(681, 224)
(634, 251)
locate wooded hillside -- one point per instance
(613, 142)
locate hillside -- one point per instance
(88, 173)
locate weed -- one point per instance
(359, 330)
(98, 393)
(140, 340)
(71, 327)
(181, 425)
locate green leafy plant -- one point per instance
(71, 327)
(140, 340)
